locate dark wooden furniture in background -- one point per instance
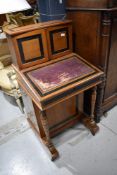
(53, 76)
(2, 19)
(95, 33)
(31, 2)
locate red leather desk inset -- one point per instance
(61, 73)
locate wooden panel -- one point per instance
(29, 51)
(59, 117)
(67, 109)
(87, 3)
(31, 48)
(59, 40)
(86, 34)
(96, 40)
(61, 37)
(111, 85)
(29, 110)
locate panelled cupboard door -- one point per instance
(111, 83)
(95, 33)
(86, 34)
(31, 48)
(59, 40)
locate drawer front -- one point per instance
(31, 48)
(59, 41)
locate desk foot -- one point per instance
(89, 121)
(51, 148)
(90, 124)
(54, 153)
(47, 140)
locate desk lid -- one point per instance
(58, 79)
(51, 77)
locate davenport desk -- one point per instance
(52, 76)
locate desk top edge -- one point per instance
(31, 27)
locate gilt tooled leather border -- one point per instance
(39, 37)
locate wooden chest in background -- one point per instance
(95, 36)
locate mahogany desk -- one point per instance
(53, 76)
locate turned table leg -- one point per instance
(89, 121)
(98, 108)
(93, 101)
(49, 144)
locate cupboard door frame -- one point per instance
(63, 31)
(36, 36)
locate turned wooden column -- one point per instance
(48, 142)
(93, 101)
(99, 100)
(89, 122)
